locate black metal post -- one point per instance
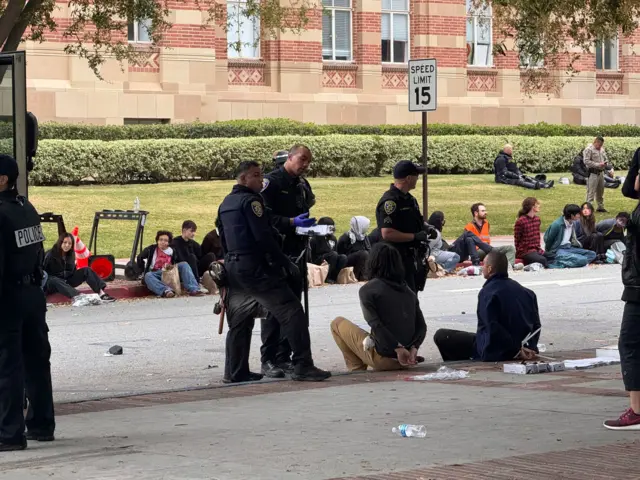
(425, 201)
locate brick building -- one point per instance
(349, 66)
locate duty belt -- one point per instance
(595, 171)
(26, 280)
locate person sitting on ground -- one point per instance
(356, 246)
(580, 173)
(439, 248)
(614, 229)
(507, 172)
(479, 226)
(375, 236)
(587, 234)
(189, 251)
(64, 276)
(323, 249)
(393, 312)
(211, 244)
(507, 314)
(153, 260)
(526, 233)
(562, 248)
(466, 246)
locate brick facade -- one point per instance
(190, 76)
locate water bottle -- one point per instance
(136, 205)
(405, 430)
(542, 348)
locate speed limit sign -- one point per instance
(423, 85)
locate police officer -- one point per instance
(258, 269)
(400, 221)
(288, 198)
(24, 342)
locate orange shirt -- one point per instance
(483, 234)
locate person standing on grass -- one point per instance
(526, 233)
(64, 277)
(595, 159)
(629, 340)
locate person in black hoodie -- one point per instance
(64, 277)
(188, 250)
(355, 245)
(507, 172)
(393, 312)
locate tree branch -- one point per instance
(15, 36)
(9, 18)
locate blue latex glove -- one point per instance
(303, 221)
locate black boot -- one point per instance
(550, 184)
(286, 367)
(11, 447)
(252, 377)
(40, 436)
(270, 370)
(309, 374)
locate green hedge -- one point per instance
(61, 162)
(271, 127)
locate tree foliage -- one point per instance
(97, 30)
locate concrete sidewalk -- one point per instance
(491, 425)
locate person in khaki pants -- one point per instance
(595, 159)
(392, 311)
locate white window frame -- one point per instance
(232, 53)
(475, 16)
(391, 14)
(136, 29)
(601, 45)
(331, 10)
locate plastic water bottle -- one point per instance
(405, 430)
(136, 205)
(542, 347)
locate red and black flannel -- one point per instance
(526, 233)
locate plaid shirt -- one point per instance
(526, 233)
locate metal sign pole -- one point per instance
(425, 186)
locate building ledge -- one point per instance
(245, 63)
(348, 66)
(396, 68)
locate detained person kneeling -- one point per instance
(392, 311)
(507, 315)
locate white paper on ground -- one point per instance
(583, 363)
(443, 373)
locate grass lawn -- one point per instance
(340, 198)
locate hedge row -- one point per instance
(61, 162)
(271, 127)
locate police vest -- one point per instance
(236, 231)
(22, 238)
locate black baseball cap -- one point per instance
(280, 157)
(404, 168)
(8, 167)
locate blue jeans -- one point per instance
(572, 257)
(448, 260)
(153, 280)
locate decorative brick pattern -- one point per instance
(394, 78)
(151, 64)
(609, 83)
(482, 81)
(338, 76)
(246, 73)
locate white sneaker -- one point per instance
(518, 267)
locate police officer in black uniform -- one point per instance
(288, 198)
(258, 269)
(24, 342)
(400, 221)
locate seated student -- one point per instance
(323, 248)
(188, 250)
(392, 311)
(466, 246)
(439, 248)
(507, 172)
(614, 229)
(479, 226)
(153, 259)
(587, 234)
(526, 233)
(507, 314)
(562, 248)
(63, 276)
(580, 173)
(356, 246)
(211, 244)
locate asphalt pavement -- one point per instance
(173, 343)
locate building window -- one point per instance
(395, 31)
(479, 35)
(138, 31)
(336, 30)
(607, 54)
(243, 36)
(146, 121)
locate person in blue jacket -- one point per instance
(507, 314)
